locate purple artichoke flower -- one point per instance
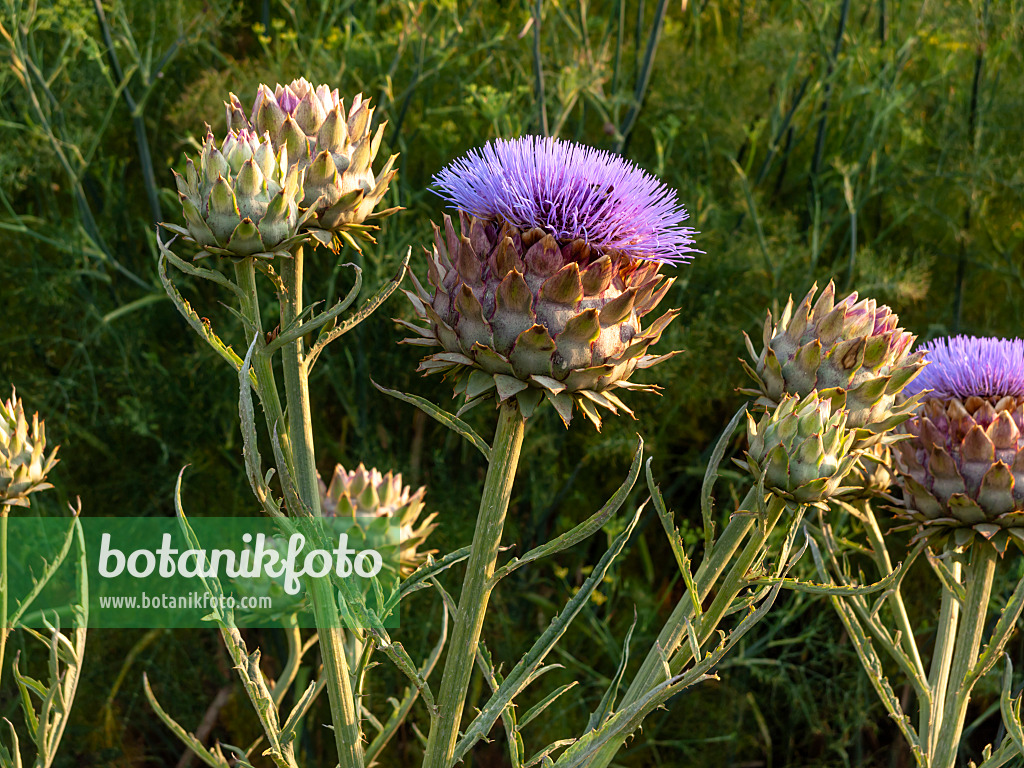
(543, 292)
(962, 471)
(570, 191)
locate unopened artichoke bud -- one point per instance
(852, 352)
(334, 148)
(543, 290)
(962, 472)
(803, 449)
(24, 463)
(372, 499)
(243, 200)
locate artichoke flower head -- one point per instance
(334, 148)
(850, 351)
(962, 471)
(379, 501)
(243, 199)
(24, 463)
(541, 290)
(802, 448)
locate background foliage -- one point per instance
(877, 143)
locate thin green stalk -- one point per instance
(344, 714)
(978, 577)
(4, 629)
(884, 564)
(476, 588)
(942, 660)
(651, 672)
(262, 365)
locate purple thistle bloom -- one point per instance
(962, 366)
(572, 191)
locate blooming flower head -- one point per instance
(962, 471)
(570, 191)
(542, 293)
(965, 366)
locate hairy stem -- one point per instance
(344, 715)
(978, 576)
(476, 588)
(4, 629)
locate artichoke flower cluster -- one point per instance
(851, 351)
(335, 150)
(962, 471)
(376, 502)
(296, 165)
(803, 449)
(24, 463)
(542, 291)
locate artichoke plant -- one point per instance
(24, 463)
(372, 499)
(243, 200)
(334, 148)
(542, 291)
(803, 449)
(852, 352)
(962, 471)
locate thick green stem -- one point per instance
(978, 578)
(476, 588)
(651, 672)
(942, 660)
(344, 715)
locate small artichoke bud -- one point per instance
(243, 200)
(533, 299)
(334, 148)
(24, 463)
(962, 471)
(852, 352)
(803, 449)
(372, 499)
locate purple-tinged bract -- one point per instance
(965, 366)
(572, 192)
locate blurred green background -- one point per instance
(877, 143)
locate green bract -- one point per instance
(520, 315)
(243, 200)
(850, 352)
(334, 148)
(370, 498)
(803, 449)
(24, 463)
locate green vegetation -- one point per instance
(881, 144)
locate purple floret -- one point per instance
(962, 366)
(572, 191)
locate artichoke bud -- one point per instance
(24, 463)
(852, 352)
(519, 314)
(311, 123)
(231, 203)
(368, 498)
(802, 449)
